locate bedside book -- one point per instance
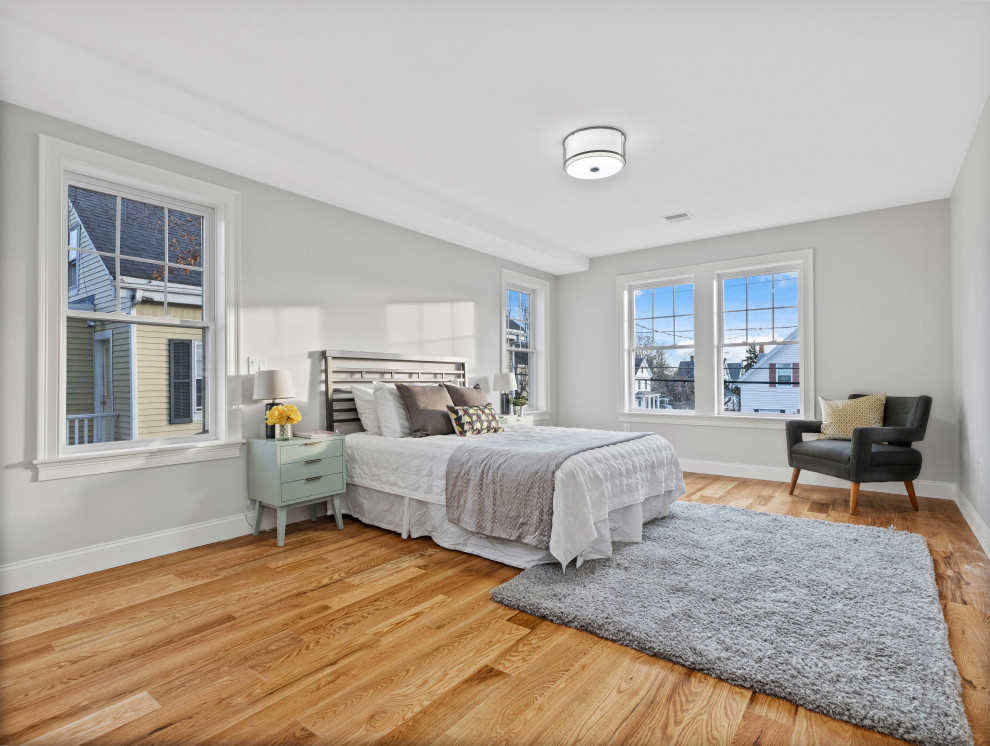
(315, 434)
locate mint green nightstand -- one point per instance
(283, 474)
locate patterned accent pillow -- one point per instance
(477, 420)
(842, 416)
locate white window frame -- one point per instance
(707, 330)
(632, 347)
(55, 459)
(539, 289)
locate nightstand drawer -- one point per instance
(326, 484)
(314, 467)
(311, 450)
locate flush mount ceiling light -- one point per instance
(594, 152)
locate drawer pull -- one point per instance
(314, 461)
(313, 479)
(314, 443)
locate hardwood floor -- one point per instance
(357, 636)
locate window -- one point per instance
(662, 347)
(720, 343)
(139, 315)
(524, 334)
(519, 352)
(760, 341)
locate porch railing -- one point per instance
(652, 401)
(91, 428)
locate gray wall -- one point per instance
(969, 229)
(314, 277)
(882, 323)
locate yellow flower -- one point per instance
(283, 414)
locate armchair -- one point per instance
(875, 454)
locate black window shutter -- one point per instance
(180, 403)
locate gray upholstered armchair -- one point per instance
(875, 454)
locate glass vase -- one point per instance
(283, 432)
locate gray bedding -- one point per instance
(501, 485)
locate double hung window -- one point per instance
(718, 342)
(760, 341)
(138, 315)
(525, 312)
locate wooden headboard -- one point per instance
(341, 369)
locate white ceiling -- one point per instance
(448, 117)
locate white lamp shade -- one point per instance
(504, 382)
(273, 384)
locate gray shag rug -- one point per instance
(844, 620)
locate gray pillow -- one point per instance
(426, 407)
(462, 396)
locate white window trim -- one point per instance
(56, 158)
(539, 335)
(708, 395)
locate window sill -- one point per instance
(756, 423)
(134, 458)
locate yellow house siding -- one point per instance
(79, 367)
(153, 370)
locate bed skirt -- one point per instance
(413, 518)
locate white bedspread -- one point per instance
(587, 486)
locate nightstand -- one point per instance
(510, 420)
(284, 474)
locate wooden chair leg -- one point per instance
(853, 498)
(910, 491)
(794, 477)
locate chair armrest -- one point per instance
(863, 439)
(797, 428)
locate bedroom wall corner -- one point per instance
(969, 231)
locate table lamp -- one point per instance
(273, 385)
(506, 383)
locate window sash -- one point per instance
(122, 192)
(632, 289)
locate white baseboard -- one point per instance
(975, 521)
(16, 576)
(925, 488)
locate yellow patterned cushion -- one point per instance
(841, 416)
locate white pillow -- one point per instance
(392, 416)
(364, 401)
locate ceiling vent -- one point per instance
(680, 217)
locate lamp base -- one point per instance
(504, 403)
(270, 429)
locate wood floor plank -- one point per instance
(98, 723)
(360, 636)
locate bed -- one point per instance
(600, 495)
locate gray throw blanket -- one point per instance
(501, 485)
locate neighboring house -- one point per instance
(730, 390)
(644, 396)
(773, 383)
(128, 381)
